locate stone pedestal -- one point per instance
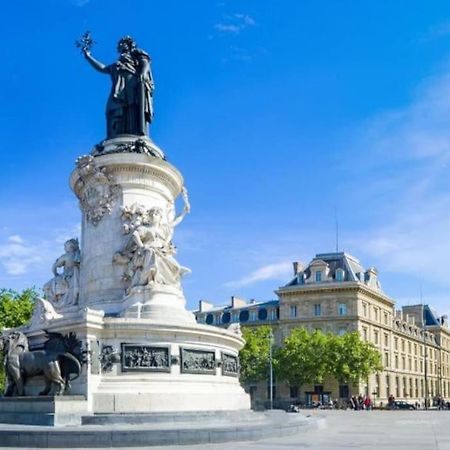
(117, 181)
(53, 411)
(147, 353)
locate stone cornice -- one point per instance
(344, 286)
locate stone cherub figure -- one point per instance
(63, 289)
(130, 104)
(149, 252)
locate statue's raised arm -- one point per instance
(186, 209)
(97, 65)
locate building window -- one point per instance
(317, 309)
(293, 310)
(209, 319)
(342, 331)
(386, 359)
(388, 389)
(375, 336)
(342, 309)
(396, 343)
(253, 315)
(364, 332)
(385, 318)
(364, 309)
(262, 314)
(244, 316)
(273, 314)
(403, 363)
(293, 391)
(318, 276)
(396, 361)
(386, 339)
(226, 317)
(403, 345)
(344, 391)
(375, 312)
(339, 275)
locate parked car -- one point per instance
(401, 404)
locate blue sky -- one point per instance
(278, 114)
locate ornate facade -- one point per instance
(334, 293)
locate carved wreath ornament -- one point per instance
(99, 193)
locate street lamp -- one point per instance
(270, 337)
(425, 366)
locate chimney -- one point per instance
(298, 267)
(204, 306)
(237, 302)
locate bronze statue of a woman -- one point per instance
(130, 105)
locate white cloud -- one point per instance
(227, 28)
(18, 256)
(277, 271)
(15, 239)
(408, 152)
(235, 24)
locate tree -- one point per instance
(254, 356)
(15, 310)
(350, 359)
(302, 358)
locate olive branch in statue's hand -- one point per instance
(85, 43)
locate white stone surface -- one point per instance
(114, 311)
(144, 180)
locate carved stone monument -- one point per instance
(120, 289)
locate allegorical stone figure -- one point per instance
(130, 106)
(63, 289)
(149, 251)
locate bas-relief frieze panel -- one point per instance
(145, 358)
(198, 361)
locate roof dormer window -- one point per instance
(318, 276)
(340, 274)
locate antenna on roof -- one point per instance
(337, 229)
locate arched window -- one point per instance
(226, 317)
(262, 314)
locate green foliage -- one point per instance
(254, 356)
(302, 358)
(15, 310)
(307, 357)
(351, 359)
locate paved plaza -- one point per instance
(365, 430)
(357, 430)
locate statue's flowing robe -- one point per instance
(130, 106)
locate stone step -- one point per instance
(92, 436)
(64, 410)
(167, 417)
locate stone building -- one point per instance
(335, 293)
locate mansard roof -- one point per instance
(351, 267)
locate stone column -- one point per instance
(105, 185)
